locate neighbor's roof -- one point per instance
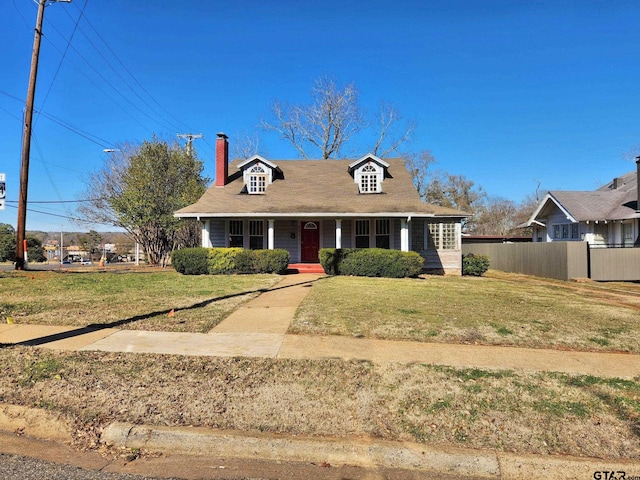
(606, 203)
(316, 187)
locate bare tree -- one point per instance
(456, 191)
(332, 119)
(497, 216)
(391, 132)
(418, 165)
(245, 145)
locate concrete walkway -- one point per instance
(258, 329)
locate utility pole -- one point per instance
(26, 138)
(190, 138)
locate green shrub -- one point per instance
(224, 261)
(191, 261)
(271, 261)
(331, 258)
(475, 265)
(371, 262)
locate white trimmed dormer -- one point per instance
(369, 173)
(257, 174)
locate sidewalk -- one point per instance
(258, 329)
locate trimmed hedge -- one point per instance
(371, 262)
(191, 261)
(331, 258)
(475, 265)
(226, 261)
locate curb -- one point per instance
(198, 441)
(397, 455)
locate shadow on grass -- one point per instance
(94, 327)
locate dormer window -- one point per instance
(369, 173)
(258, 173)
(257, 179)
(369, 179)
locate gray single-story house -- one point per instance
(305, 205)
(606, 217)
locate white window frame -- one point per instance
(445, 235)
(382, 229)
(232, 231)
(566, 231)
(257, 180)
(370, 179)
(256, 231)
(372, 231)
(360, 232)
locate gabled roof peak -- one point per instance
(257, 158)
(369, 157)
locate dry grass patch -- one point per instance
(526, 413)
(139, 300)
(488, 310)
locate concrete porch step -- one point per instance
(305, 268)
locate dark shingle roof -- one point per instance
(606, 203)
(319, 187)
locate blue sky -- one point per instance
(507, 93)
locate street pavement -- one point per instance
(258, 329)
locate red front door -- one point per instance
(310, 242)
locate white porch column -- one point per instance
(339, 233)
(271, 235)
(404, 235)
(206, 234)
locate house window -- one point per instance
(257, 180)
(256, 234)
(566, 231)
(369, 179)
(382, 233)
(448, 236)
(442, 236)
(575, 231)
(236, 235)
(362, 233)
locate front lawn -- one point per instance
(140, 299)
(497, 310)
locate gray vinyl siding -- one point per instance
(328, 239)
(283, 231)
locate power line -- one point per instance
(67, 217)
(85, 200)
(124, 67)
(64, 54)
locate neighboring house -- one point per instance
(608, 216)
(305, 205)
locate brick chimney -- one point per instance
(222, 160)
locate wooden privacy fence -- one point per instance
(615, 264)
(561, 260)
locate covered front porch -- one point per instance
(304, 237)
